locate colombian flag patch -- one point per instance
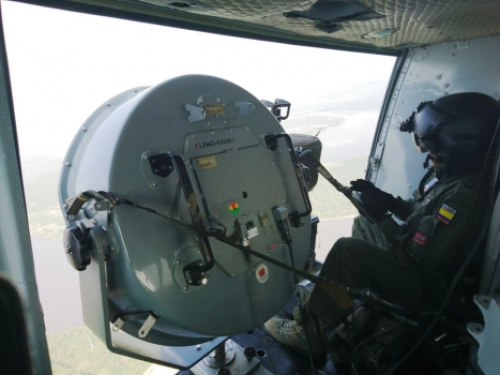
(446, 214)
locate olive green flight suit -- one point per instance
(435, 237)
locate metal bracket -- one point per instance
(146, 327)
(102, 205)
(244, 109)
(194, 113)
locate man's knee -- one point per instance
(340, 251)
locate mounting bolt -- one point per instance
(186, 287)
(198, 347)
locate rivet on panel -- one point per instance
(67, 164)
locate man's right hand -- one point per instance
(373, 196)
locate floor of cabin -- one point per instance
(285, 360)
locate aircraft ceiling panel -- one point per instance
(402, 23)
(377, 26)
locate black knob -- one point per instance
(249, 352)
(77, 246)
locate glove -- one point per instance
(373, 208)
(370, 193)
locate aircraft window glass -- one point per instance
(64, 65)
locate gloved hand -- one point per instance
(370, 193)
(373, 208)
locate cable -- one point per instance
(376, 335)
(476, 246)
(304, 317)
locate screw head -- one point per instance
(185, 288)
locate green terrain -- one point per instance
(78, 351)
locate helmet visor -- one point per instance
(425, 124)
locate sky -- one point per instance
(64, 65)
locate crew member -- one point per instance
(412, 263)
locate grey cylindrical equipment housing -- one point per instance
(219, 130)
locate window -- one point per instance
(64, 65)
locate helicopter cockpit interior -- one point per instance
(187, 207)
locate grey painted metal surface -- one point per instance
(16, 257)
(487, 335)
(234, 175)
(429, 73)
(95, 309)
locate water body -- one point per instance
(59, 287)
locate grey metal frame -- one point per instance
(16, 256)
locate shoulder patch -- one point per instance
(420, 238)
(446, 214)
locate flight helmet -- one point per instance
(457, 128)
